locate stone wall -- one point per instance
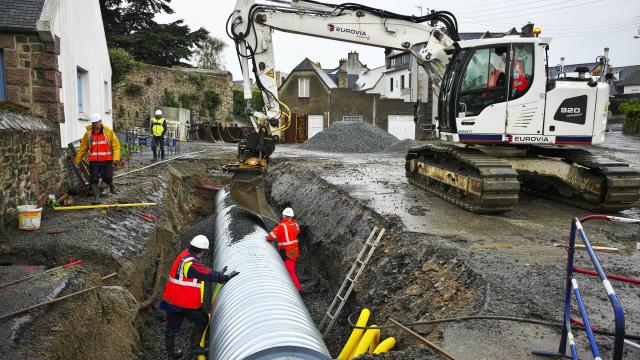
(32, 77)
(148, 86)
(32, 164)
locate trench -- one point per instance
(411, 276)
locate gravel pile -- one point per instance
(403, 146)
(352, 137)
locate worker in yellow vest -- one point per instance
(158, 129)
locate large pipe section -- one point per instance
(259, 314)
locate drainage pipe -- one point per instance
(259, 314)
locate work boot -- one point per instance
(112, 188)
(170, 347)
(95, 191)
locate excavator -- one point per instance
(502, 124)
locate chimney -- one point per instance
(387, 51)
(562, 64)
(341, 62)
(353, 56)
(343, 79)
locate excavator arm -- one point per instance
(251, 25)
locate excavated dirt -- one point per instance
(435, 261)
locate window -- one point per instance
(483, 82)
(521, 70)
(107, 98)
(391, 84)
(2, 85)
(402, 82)
(303, 87)
(392, 62)
(83, 90)
(352, 118)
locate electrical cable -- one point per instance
(484, 317)
(570, 9)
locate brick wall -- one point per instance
(32, 76)
(132, 109)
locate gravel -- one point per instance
(355, 137)
(403, 146)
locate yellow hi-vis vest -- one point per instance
(156, 126)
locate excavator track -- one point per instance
(619, 185)
(465, 177)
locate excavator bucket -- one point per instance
(248, 192)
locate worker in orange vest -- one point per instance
(103, 148)
(184, 293)
(286, 234)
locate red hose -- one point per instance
(610, 276)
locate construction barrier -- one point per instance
(571, 286)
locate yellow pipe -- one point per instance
(356, 335)
(388, 344)
(369, 342)
(83, 207)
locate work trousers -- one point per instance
(155, 142)
(101, 169)
(291, 267)
(198, 317)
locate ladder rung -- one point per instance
(329, 316)
(360, 261)
(341, 298)
(350, 279)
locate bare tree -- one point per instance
(209, 55)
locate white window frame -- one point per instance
(82, 84)
(352, 118)
(303, 87)
(107, 98)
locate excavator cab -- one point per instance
(247, 183)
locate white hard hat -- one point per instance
(95, 117)
(159, 112)
(200, 242)
(288, 212)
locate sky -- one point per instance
(580, 29)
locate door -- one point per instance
(481, 102)
(315, 125)
(525, 111)
(402, 126)
(301, 128)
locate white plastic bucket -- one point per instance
(29, 217)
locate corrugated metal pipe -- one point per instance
(259, 314)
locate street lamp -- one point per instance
(419, 7)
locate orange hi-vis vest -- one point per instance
(287, 234)
(99, 149)
(182, 291)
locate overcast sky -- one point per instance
(580, 28)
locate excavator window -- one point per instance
(521, 70)
(484, 79)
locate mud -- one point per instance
(435, 261)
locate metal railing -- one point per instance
(572, 287)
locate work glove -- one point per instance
(226, 277)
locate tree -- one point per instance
(130, 25)
(209, 54)
(121, 64)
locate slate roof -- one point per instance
(369, 79)
(632, 79)
(11, 122)
(308, 65)
(20, 15)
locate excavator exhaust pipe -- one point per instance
(248, 192)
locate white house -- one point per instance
(83, 62)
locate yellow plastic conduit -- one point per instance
(388, 344)
(356, 335)
(368, 343)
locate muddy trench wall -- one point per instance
(408, 278)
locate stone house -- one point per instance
(350, 92)
(54, 71)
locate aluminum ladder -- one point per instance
(349, 282)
